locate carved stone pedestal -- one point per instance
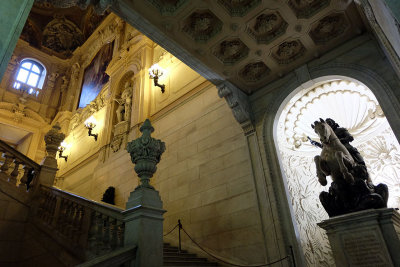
(365, 239)
(121, 130)
(144, 226)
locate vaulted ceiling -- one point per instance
(252, 42)
(59, 31)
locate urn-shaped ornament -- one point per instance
(145, 153)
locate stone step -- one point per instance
(179, 258)
(172, 257)
(184, 263)
(181, 255)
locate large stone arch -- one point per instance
(304, 78)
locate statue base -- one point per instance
(365, 238)
(120, 132)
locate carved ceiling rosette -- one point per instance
(62, 35)
(288, 51)
(307, 8)
(238, 8)
(231, 51)
(202, 25)
(254, 72)
(168, 7)
(328, 28)
(267, 27)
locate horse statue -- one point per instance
(351, 188)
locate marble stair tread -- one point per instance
(172, 257)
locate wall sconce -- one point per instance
(90, 123)
(61, 149)
(156, 72)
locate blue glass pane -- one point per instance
(36, 69)
(27, 65)
(22, 75)
(33, 79)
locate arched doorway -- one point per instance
(354, 107)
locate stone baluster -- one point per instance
(24, 179)
(120, 234)
(106, 234)
(52, 209)
(78, 221)
(8, 158)
(91, 243)
(113, 234)
(14, 174)
(99, 233)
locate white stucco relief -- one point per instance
(354, 107)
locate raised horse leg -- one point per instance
(320, 173)
(343, 161)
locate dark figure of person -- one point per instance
(108, 196)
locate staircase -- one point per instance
(172, 257)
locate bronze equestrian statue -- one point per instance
(351, 188)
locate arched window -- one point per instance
(30, 77)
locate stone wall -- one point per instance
(360, 59)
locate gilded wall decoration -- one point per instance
(202, 25)
(254, 72)
(307, 8)
(288, 52)
(168, 7)
(267, 27)
(238, 8)
(328, 28)
(361, 114)
(62, 36)
(231, 51)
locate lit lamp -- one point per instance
(156, 72)
(90, 123)
(61, 149)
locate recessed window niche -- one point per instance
(353, 106)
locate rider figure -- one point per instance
(345, 138)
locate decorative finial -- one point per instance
(145, 153)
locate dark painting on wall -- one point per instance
(95, 75)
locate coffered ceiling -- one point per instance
(252, 42)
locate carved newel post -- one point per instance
(53, 139)
(144, 215)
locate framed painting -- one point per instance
(95, 75)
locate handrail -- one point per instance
(114, 258)
(87, 228)
(103, 208)
(18, 155)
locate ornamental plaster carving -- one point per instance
(239, 103)
(328, 28)
(100, 6)
(361, 114)
(254, 72)
(307, 8)
(231, 51)
(238, 8)
(288, 51)
(267, 27)
(168, 7)
(202, 25)
(62, 36)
